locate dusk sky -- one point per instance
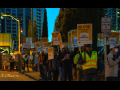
(52, 14)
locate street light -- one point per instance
(21, 31)
(18, 28)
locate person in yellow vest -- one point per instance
(88, 60)
(26, 62)
(78, 66)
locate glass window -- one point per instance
(13, 20)
(14, 34)
(13, 14)
(8, 27)
(13, 27)
(13, 10)
(9, 31)
(14, 31)
(13, 24)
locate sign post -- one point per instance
(84, 34)
(105, 28)
(50, 53)
(74, 38)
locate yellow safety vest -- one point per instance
(90, 62)
(76, 60)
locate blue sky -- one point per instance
(52, 14)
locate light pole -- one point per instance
(18, 29)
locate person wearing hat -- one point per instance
(26, 62)
(61, 64)
(111, 65)
(88, 60)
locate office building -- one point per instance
(0, 20)
(10, 25)
(38, 14)
(114, 14)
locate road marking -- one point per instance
(8, 75)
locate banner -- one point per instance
(54, 38)
(39, 49)
(84, 34)
(45, 39)
(114, 38)
(28, 39)
(74, 38)
(50, 53)
(60, 41)
(46, 45)
(28, 45)
(100, 40)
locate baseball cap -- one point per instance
(112, 46)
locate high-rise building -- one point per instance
(0, 20)
(10, 25)
(38, 14)
(114, 14)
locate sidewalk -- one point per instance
(35, 75)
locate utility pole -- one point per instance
(32, 20)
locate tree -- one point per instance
(16, 38)
(35, 30)
(68, 19)
(29, 29)
(45, 28)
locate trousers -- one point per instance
(90, 77)
(79, 74)
(67, 71)
(55, 75)
(61, 73)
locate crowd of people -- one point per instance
(80, 65)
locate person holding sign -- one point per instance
(111, 69)
(89, 64)
(40, 60)
(67, 63)
(54, 65)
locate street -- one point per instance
(13, 76)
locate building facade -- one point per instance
(0, 20)
(114, 14)
(38, 14)
(10, 25)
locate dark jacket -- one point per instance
(45, 60)
(54, 63)
(87, 71)
(61, 57)
(67, 63)
(26, 62)
(73, 55)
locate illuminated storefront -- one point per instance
(5, 43)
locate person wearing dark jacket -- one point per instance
(67, 63)
(88, 60)
(45, 65)
(61, 65)
(54, 65)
